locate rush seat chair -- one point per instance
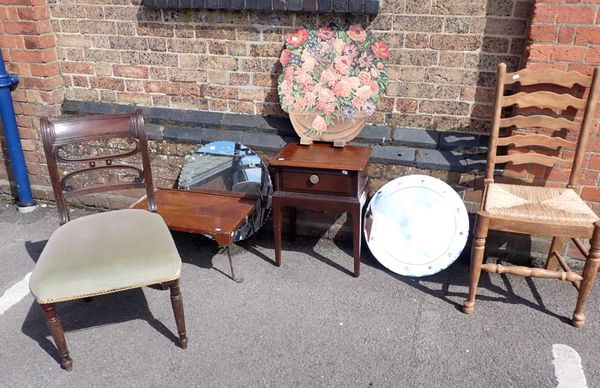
(110, 251)
(553, 140)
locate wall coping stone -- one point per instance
(370, 7)
(423, 148)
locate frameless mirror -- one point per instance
(226, 166)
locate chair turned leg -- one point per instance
(589, 275)
(552, 261)
(58, 335)
(481, 230)
(177, 304)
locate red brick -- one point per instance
(40, 42)
(543, 33)
(43, 26)
(33, 13)
(16, 2)
(564, 14)
(27, 145)
(588, 35)
(566, 34)
(595, 162)
(584, 69)
(9, 41)
(20, 28)
(557, 53)
(42, 83)
(34, 56)
(593, 55)
(591, 194)
(44, 69)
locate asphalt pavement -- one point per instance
(308, 323)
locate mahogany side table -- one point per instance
(217, 214)
(320, 177)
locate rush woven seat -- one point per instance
(547, 122)
(106, 252)
(535, 203)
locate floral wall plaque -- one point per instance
(331, 82)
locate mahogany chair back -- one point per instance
(60, 134)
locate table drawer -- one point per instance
(320, 181)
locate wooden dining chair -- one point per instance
(110, 251)
(537, 137)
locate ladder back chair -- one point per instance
(110, 251)
(556, 212)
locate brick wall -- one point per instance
(565, 34)
(29, 50)
(443, 56)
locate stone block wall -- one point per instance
(443, 55)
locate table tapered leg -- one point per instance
(356, 218)
(277, 230)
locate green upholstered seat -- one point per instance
(105, 253)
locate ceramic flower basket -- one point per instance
(331, 82)
(339, 133)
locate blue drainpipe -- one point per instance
(25, 201)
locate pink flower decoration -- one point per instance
(329, 76)
(298, 38)
(342, 88)
(364, 78)
(288, 74)
(368, 108)
(339, 45)
(374, 87)
(364, 92)
(326, 95)
(354, 82)
(298, 105)
(319, 124)
(325, 33)
(357, 33)
(365, 60)
(379, 65)
(350, 50)
(374, 72)
(343, 64)
(284, 58)
(303, 77)
(381, 50)
(357, 102)
(329, 108)
(309, 100)
(287, 87)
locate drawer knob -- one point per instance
(314, 179)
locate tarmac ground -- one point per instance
(308, 323)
